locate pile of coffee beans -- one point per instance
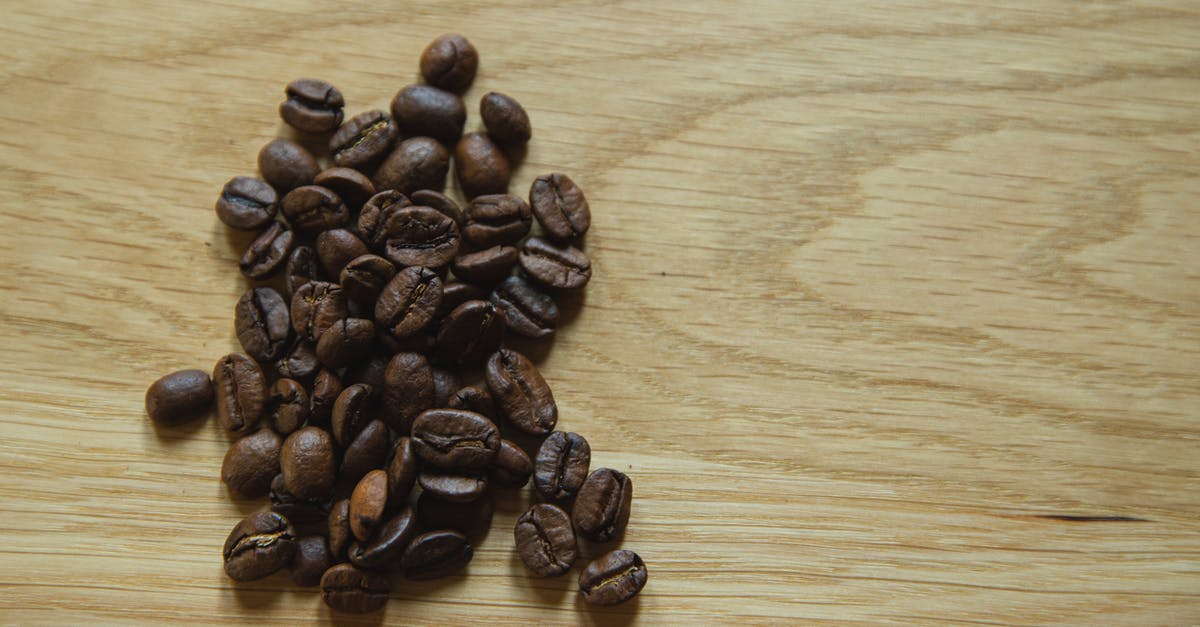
(376, 403)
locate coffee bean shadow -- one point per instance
(425, 588)
(614, 616)
(548, 591)
(329, 616)
(176, 435)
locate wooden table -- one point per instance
(895, 317)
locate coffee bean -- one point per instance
(309, 463)
(377, 221)
(387, 543)
(423, 110)
(247, 203)
(287, 165)
(259, 545)
(496, 219)
(302, 267)
(366, 452)
(346, 588)
(436, 554)
(545, 540)
(352, 186)
(407, 390)
(450, 62)
(367, 504)
(326, 387)
(601, 508)
(346, 342)
(299, 362)
(408, 302)
(352, 411)
(415, 163)
(613, 578)
(441, 202)
(555, 265)
(455, 439)
(250, 464)
(457, 486)
(456, 293)
(336, 248)
(420, 236)
(505, 119)
(340, 535)
(263, 323)
(485, 266)
(363, 139)
(512, 467)
(289, 406)
(527, 310)
(312, 106)
(365, 276)
(521, 393)
(561, 466)
(311, 209)
(560, 206)
(469, 334)
(370, 371)
(268, 252)
(311, 561)
(475, 398)
(470, 518)
(316, 305)
(481, 166)
(292, 506)
(179, 397)
(402, 470)
(241, 392)
(445, 384)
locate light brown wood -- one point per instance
(895, 317)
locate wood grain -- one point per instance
(895, 317)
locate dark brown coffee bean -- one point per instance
(450, 62)
(388, 543)
(259, 545)
(364, 277)
(340, 536)
(336, 248)
(352, 186)
(408, 302)
(241, 392)
(527, 310)
(475, 398)
(363, 139)
(470, 518)
(292, 506)
(247, 203)
(545, 540)
(505, 119)
(601, 508)
(613, 578)
(250, 464)
(287, 165)
(481, 166)
(402, 470)
(521, 393)
(326, 387)
(496, 219)
(561, 466)
(457, 486)
(179, 397)
(311, 561)
(486, 266)
(352, 411)
(309, 463)
(415, 163)
(455, 439)
(407, 390)
(302, 267)
(299, 362)
(456, 293)
(370, 371)
(268, 253)
(348, 341)
(445, 384)
(441, 202)
(555, 265)
(312, 209)
(420, 236)
(367, 504)
(366, 452)
(346, 588)
(429, 111)
(560, 206)
(312, 106)
(512, 467)
(469, 334)
(377, 221)
(316, 305)
(263, 323)
(436, 554)
(289, 406)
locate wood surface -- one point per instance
(895, 316)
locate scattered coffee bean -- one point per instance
(505, 119)
(241, 392)
(366, 452)
(346, 588)
(415, 163)
(302, 267)
(561, 466)
(612, 578)
(367, 504)
(326, 387)
(336, 248)
(340, 535)
(496, 219)
(481, 166)
(601, 508)
(346, 342)
(527, 310)
(312, 106)
(545, 540)
(316, 305)
(263, 323)
(299, 362)
(352, 411)
(247, 203)
(475, 398)
(455, 439)
(408, 302)
(421, 237)
(559, 206)
(512, 467)
(289, 406)
(456, 293)
(445, 384)
(287, 165)
(377, 220)
(250, 464)
(352, 186)
(457, 486)
(554, 265)
(521, 393)
(259, 545)
(407, 390)
(268, 253)
(364, 277)
(470, 518)
(450, 62)
(291, 506)
(363, 139)
(423, 110)
(387, 543)
(179, 397)
(311, 560)
(441, 202)
(436, 554)
(309, 463)
(469, 334)
(312, 209)
(402, 470)
(486, 266)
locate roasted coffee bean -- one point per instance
(408, 302)
(455, 439)
(450, 62)
(436, 554)
(346, 342)
(352, 411)
(247, 203)
(555, 265)
(287, 165)
(377, 221)
(388, 543)
(340, 535)
(496, 219)
(469, 334)
(420, 236)
(415, 163)
(352, 186)
(475, 398)
(268, 253)
(336, 248)
(521, 393)
(292, 506)
(367, 504)
(250, 464)
(299, 362)
(311, 561)
(370, 371)
(456, 293)
(486, 266)
(363, 139)
(601, 508)
(259, 545)
(312, 106)
(559, 206)
(512, 467)
(309, 463)
(407, 390)
(402, 470)
(527, 310)
(241, 392)
(429, 111)
(302, 267)
(365, 276)
(472, 518)
(505, 119)
(179, 397)
(441, 202)
(613, 578)
(545, 540)
(263, 323)
(316, 305)
(289, 406)
(561, 466)
(366, 452)
(481, 166)
(346, 588)
(457, 486)
(312, 209)
(326, 387)
(445, 384)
